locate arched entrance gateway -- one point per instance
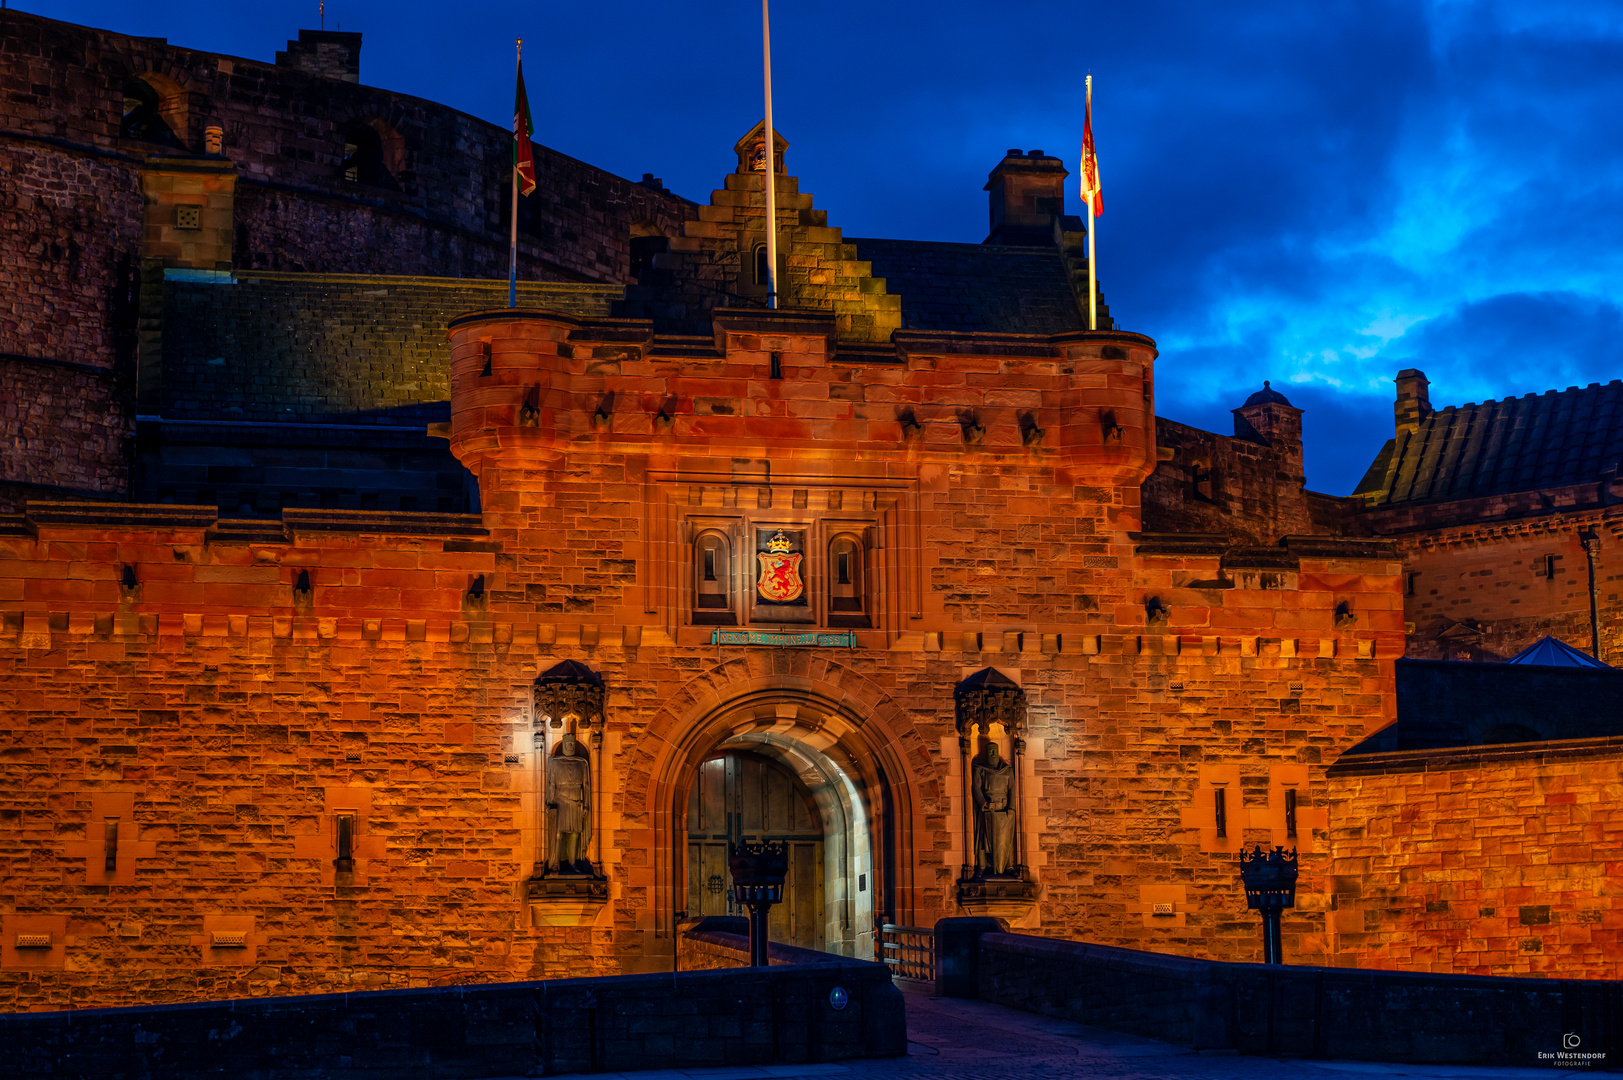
(791, 765)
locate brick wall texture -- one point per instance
(1490, 862)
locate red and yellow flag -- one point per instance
(1090, 160)
(523, 128)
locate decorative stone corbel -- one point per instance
(529, 413)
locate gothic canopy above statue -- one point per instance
(990, 697)
(570, 689)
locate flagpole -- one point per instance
(1093, 221)
(771, 166)
(512, 253)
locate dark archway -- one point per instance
(143, 117)
(849, 767)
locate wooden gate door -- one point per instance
(740, 796)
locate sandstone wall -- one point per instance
(1211, 483)
(226, 721)
(1486, 861)
(1487, 592)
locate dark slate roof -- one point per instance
(1549, 652)
(976, 287)
(1453, 703)
(1549, 440)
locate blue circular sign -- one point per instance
(838, 998)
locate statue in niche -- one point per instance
(569, 797)
(993, 791)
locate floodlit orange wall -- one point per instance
(1486, 861)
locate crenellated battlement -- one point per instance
(528, 386)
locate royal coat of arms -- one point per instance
(780, 581)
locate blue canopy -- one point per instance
(1548, 652)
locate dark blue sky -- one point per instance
(1314, 193)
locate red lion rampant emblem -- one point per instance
(780, 580)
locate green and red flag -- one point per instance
(523, 128)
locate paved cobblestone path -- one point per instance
(970, 1040)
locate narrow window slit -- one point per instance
(346, 843)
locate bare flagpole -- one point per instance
(512, 255)
(771, 166)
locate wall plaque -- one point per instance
(811, 640)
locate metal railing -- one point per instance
(909, 951)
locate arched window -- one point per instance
(363, 157)
(143, 114)
(762, 278)
(712, 578)
(847, 594)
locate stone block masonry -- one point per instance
(335, 348)
(63, 430)
(242, 684)
(696, 1019)
(70, 231)
(1490, 860)
(437, 203)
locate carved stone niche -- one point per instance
(568, 887)
(995, 879)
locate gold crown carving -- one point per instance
(779, 544)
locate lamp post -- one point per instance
(1270, 887)
(758, 872)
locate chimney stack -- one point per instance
(1413, 402)
(1027, 194)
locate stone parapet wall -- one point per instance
(691, 1020)
(1493, 860)
(1297, 1011)
(336, 348)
